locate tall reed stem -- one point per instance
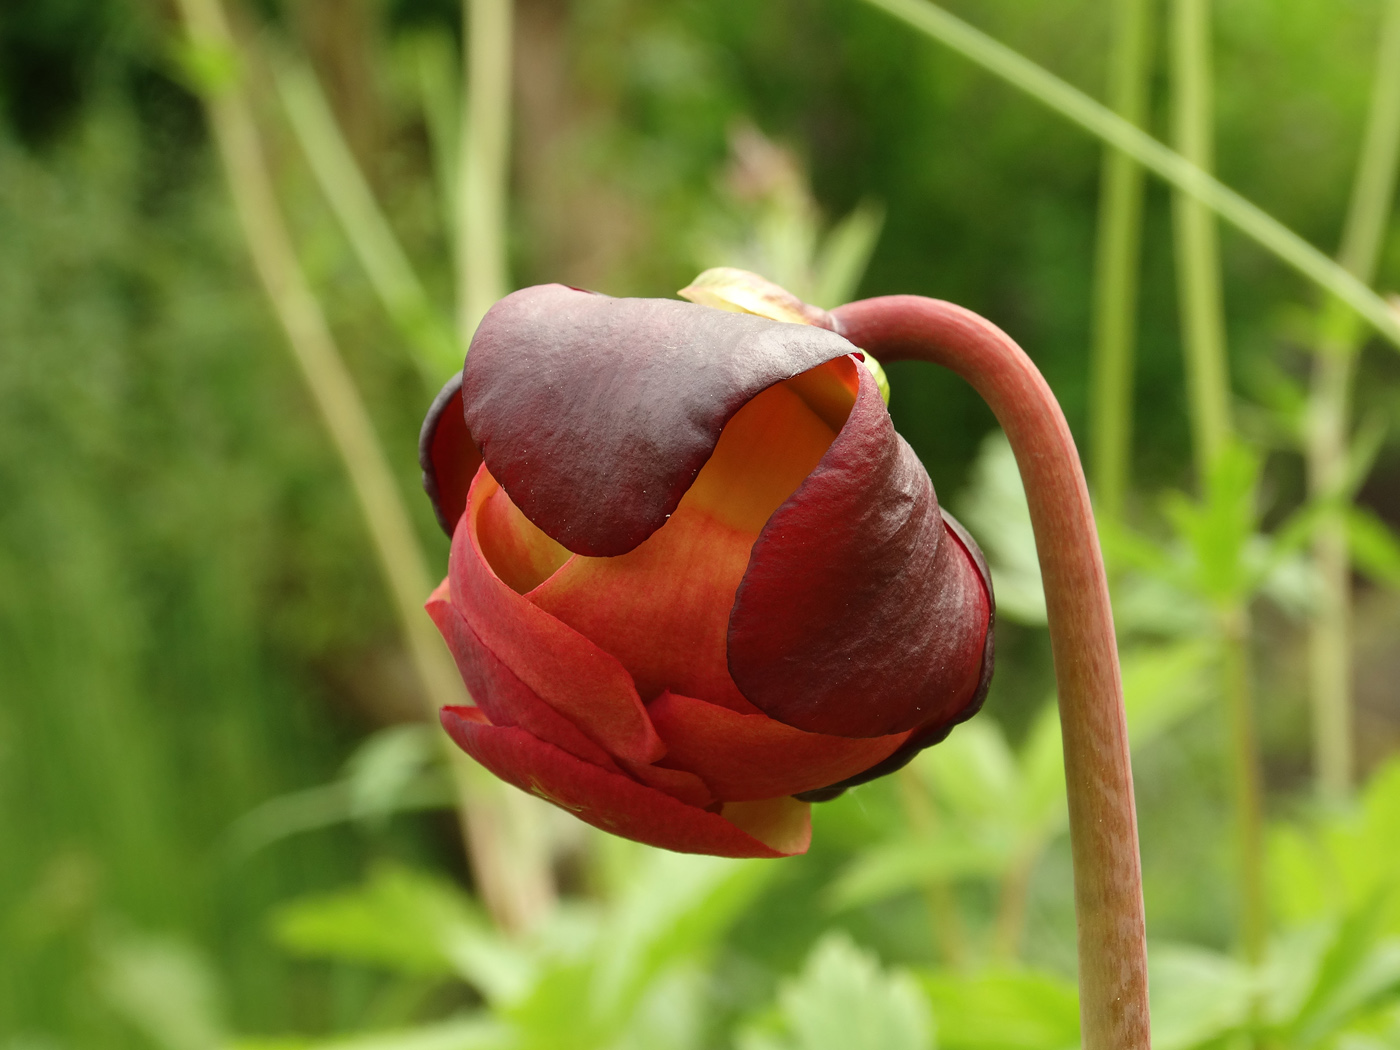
(1238, 682)
(1116, 266)
(1208, 399)
(401, 293)
(1100, 121)
(1329, 412)
(513, 882)
(1197, 242)
(1098, 774)
(485, 163)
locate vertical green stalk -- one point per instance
(485, 164)
(1116, 265)
(1197, 244)
(1238, 679)
(513, 875)
(1208, 397)
(1329, 411)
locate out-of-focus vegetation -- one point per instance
(220, 822)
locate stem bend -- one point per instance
(1098, 773)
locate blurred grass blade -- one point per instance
(434, 59)
(508, 849)
(845, 254)
(482, 267)
(435, 349)
(391, 772)
(1102, 122)
(1374, 547)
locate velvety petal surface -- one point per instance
(935, 733)
(596, 414)
(447, 455)
(858, 616)
(663, 608)
(620, 805)
(563, 668)
(748, 757)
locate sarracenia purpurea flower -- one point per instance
(697, 581)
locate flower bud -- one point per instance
(697, 580)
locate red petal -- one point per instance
(559, 665)
(677, 783)
(622, 806)
(596, 414)
(447, 455)
(747, 757)
(500, 695)
(663, 609)
(858, 616)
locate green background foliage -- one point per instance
(208, 842)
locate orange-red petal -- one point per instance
(562, 667)
(620, 805)
(747, 757)
(499, 693)
(663, 609)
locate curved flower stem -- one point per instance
(1103, 822)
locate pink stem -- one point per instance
(1103, 822)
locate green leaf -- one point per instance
(1197, 996)
(164, 987)
(907, 863)
(1163, 684)
(393, 769)
(1003, 1010)
(845, 255)
(675, 910)
(1375, 549)
(398, 919)
(1356, 969)
(464, 1033)
(843, 1000)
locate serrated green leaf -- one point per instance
(843, 1000)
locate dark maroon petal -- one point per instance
(447, 455)
(938, 732)
(596, 414)
(860, 614)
